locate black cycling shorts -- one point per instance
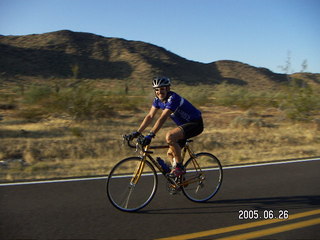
(190, 130)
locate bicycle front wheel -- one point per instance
(203, 177)
(131, 184)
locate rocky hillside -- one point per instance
(65, 54)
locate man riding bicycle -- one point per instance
(182, 112)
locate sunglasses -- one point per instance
(159, 89)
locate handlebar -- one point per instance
(129, 141)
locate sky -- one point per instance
(263, 33)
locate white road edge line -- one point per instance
(271, 163)
(101, 178)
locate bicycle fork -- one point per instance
(133, 182)
(137, 172)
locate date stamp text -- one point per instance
(263, 214)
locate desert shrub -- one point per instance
(81, 102)
(8, 106)
(31, 114)
(36, 94)
(76, 131)
(229, 95)
(296, 101)
(300, 103)
(7, 101)
(245, 122)
(197, 95)
(123, 102)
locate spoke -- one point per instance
(131, 188)
(203, 177)
(200, 185)
(131, 184)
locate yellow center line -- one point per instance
(274, 230)
(240, 227)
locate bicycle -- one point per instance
(132, 182)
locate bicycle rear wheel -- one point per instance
(203, 177)
(128, 193)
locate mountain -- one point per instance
(64, 54)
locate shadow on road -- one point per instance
(234, 205)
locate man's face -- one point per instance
(161, 93)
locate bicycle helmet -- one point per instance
(161, 82)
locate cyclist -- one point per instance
(182, 112)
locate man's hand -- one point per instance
(147, 139)
(133, 135)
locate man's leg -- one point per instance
(170, 156)
(172, 139)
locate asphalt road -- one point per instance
(80, 209)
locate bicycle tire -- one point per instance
(205, 183)
(122, 193)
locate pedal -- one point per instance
(173, 191)
(173, 188)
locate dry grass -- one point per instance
(58, 146)
(63, 148)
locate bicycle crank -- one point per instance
(173, 189)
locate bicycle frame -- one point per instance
(200, 183)
(145, 152)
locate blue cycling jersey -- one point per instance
(183, 110)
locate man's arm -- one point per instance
(148, 119)
(161, 120)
